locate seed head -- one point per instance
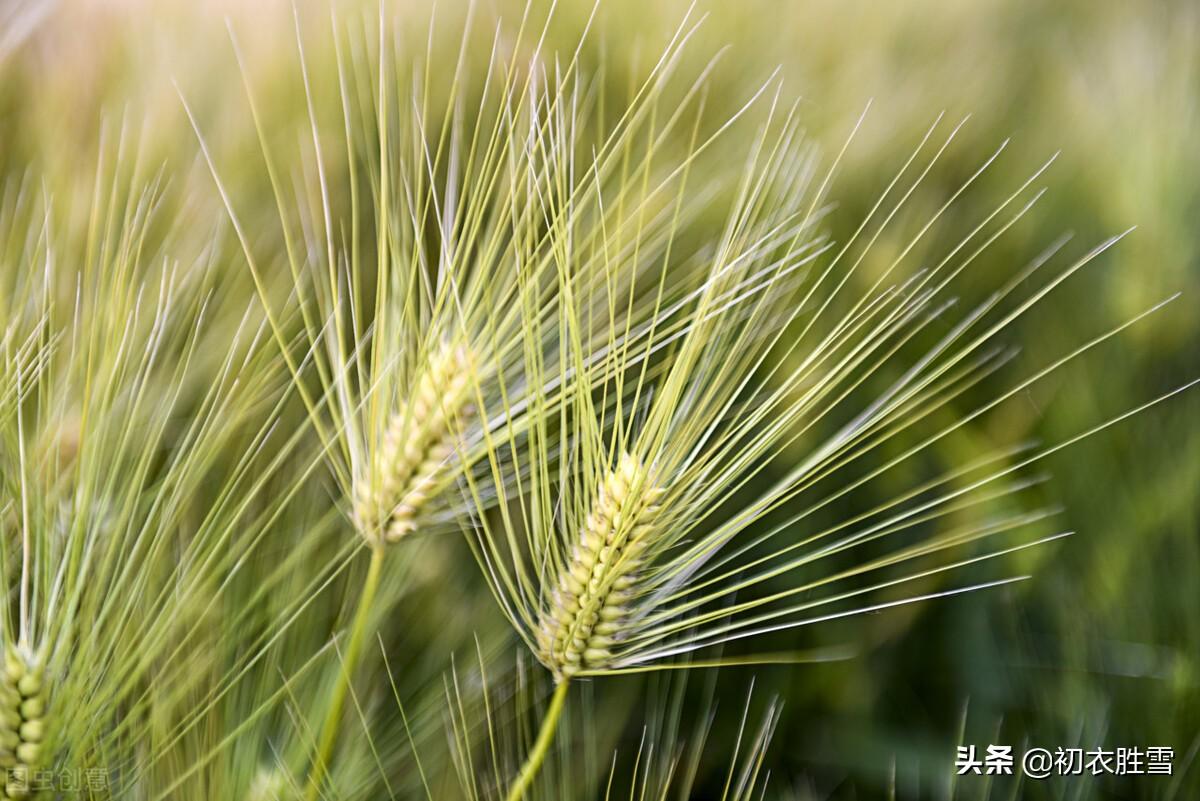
(22, 721)
(417, 448)
(588, 607)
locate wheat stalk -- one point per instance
(486, 734)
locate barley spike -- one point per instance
(585, 616)
(416, 449)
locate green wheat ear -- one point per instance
(22, 719)
(418, 445)
(588, 610)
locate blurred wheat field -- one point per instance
(197, 555)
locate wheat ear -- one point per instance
(416, 448)
(587, 608)
(22, 721)
(583, 619)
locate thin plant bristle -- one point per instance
(416, 448)
(588, 606)
(22, 721)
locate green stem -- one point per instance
(533, 763)
(333, 719)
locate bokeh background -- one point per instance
(1102, 647)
